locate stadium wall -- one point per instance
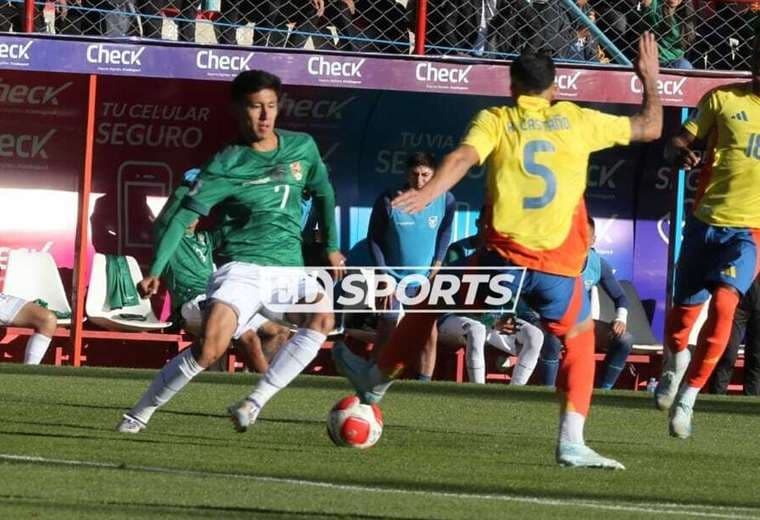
(161, 110)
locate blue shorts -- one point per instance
(712, 255)
(559, 300)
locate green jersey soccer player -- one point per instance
(256, 185)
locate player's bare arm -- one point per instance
(647, 124)
(679, 152)
(453, 168)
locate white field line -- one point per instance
(662, 508)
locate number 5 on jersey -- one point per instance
(533, 168)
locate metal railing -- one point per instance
(692, 33)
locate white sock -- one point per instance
(475, 338)
(521, 373)
(171, 379)
(681, 361)
(689, 396)
(532, 338)
(289, 361)
(571, 427)
(36, 347)
(476, 375)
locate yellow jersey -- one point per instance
(729, 184)
(536, 156)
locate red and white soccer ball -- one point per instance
(353, 424)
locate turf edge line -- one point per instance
(671, 509)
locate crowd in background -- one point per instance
(691, 33)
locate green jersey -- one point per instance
(258, 196)
(190, 267)
(667, 29)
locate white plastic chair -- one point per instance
(100, 312)
(33, 275)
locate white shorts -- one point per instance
(250, 289)
(9, 308)
(192, 314)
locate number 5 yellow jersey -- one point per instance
(536, 155)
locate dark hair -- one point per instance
(251, 81)
(532, 72)
(421, 159)
(591, 222)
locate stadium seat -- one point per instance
(99, 311)
(33, 275)
(603, 308)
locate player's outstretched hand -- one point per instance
(338, 263)
(411, 201)
(149, 286)
(648, 62)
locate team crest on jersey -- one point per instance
(295, 170)
(433, 221)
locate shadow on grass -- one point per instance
(533, 394)
(181, 511)
(490, 491)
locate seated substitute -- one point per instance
(16, 312)
(513, 334)
(611, 337)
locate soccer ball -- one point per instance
(353, 424)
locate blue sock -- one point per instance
(548, 371)
(424, 378)
(549, 360)
(614, 361)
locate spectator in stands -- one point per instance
(400, 239)
(728, 34)
(120, 19)
(153, 17)
(611, 22)
(59, 17)
(611, 338)
(673, 22)
(21, 313)
(289, 23)
(456, 27)
(540, 25)
(385, 22)
(746, 320)
(586, 47)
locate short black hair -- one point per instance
(421, 159)
(532, 72)
(250, 81)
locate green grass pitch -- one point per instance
(448, 451)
